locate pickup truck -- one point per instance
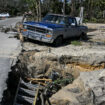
(53, 29)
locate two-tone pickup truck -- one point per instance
(53, 29)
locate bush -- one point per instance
(94, 20)
(76, 43)
(100, 20)
(85, 20)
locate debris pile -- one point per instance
(87, 89)
(31, 94)
(37, 91)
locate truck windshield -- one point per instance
(55, 19)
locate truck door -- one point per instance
(68, 28)
(75, 28)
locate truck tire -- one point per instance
(83, 36)
(58, 41)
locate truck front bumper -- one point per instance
(37, 36)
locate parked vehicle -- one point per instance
(53, 29)
(4, 15)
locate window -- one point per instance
(56, 19)
(72, 21)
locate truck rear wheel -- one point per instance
(83, 36)
(58, 41)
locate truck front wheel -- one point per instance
(58, 41)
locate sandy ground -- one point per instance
(97, 32)
(95, 25)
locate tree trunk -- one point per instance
(90, 8)
(64, 3)
(40, 12)
(73, 9)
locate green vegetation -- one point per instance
(64, 81)
(76, 43)
(94, 10)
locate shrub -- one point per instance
(76, 43)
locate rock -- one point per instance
(87, 89)
(81, 97)
(102, 76)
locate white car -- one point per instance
(4, 15)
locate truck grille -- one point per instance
(37, 29)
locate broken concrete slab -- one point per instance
(90, 90)
(9, 50)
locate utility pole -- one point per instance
(104, 14)
(40, 12)
(64, 6)
(81, 15)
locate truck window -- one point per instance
(72, 21)
(56, 19)
(48, 18)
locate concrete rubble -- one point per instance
(87, 89)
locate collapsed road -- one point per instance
(9, 50)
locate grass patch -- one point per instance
(76, 43)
